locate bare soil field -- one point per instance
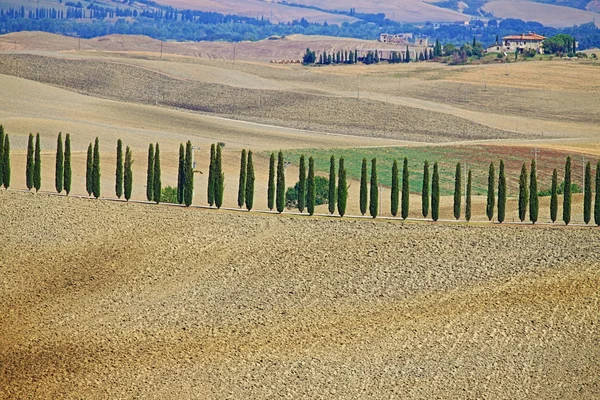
(547, 14)
(115, 300)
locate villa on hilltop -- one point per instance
(519, 43)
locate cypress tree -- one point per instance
(405, 189)
(1, 155)
(180, 174)
(210, 191)
(395, 189)
(435, 193)
(88, 170)
(501, 194)
(363, 187)
(342, 192)
(119, 170)
(425, 190)
(157, 185)
(534, 201)
(523, 193)
(30, 163)
(374, 194)
(587, 196)
(280, 199)
(242, 182)
(37, 164)
(567, 197)
(554, 197)
(310, 187)
(331, 195)
(271, 184)
(128, 174)
(457, 191)
(96, 169)
(219, 178)
(302, 185)
(597, 200)
(188, 190)
(67, 168)
(468, 205)
(250, 183)
(491, 200)
(6, 162)
(59, 172)
(150, 174)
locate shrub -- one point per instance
(168, 194)
(321, 191)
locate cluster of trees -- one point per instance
(339, 57)
(560, 44)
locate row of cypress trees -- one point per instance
(153, 175)
(4, 159)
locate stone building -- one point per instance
(519, 43)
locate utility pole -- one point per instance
(161, 49)
(79, 44)
(234, 53)
(535, 152)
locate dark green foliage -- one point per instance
(271, 184)
(554, 197)
(1, 155)
(37, 164)
(374, 192)
(210, 191)
(119, 170)
(180, 174)
(157, 185)
(435, 193)
(523, 193)
(5, 161)
(96, 170)
(342, 191)
(395, 189)
(128, 174)
(242, 181)
(363, 187)
(310, 187)
(302, 185)
(457, 191)
(59, 172)
(468, 205)
(250, 183)
(150, 174)
(168, 195)
(501, 194)
(567, 197)
(587, 197)
(491, 198)
(280, 198)
(188, 190)
(332, 195)
(597, 199)
(405, 189)
(67, 168)
(321, 193)
(425, 190)
(89, 166)
(534, 201)
(219, 177)
(30, 163)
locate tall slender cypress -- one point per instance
(219, 178)
(67, 168)
(425, 190)
(89, 166)
(491, 198)
(271, 184)
(242, 181)
(363, 187)
(250, 182)
(405, 190)
(37, 164)
(30, 163)
(468, 205)
(59, 171)
(6, 162)
(567, 196)
(188, 190)
(157, 185)
(554, 196)
(342, 191)
(1, 155)
(597, 199)
(331, 194)
(128, 174)
(534, 201)
(523, 193)
(180, 174)
(457, 191)
(374, 192)
(395, 189)
(96, 169)
(150, 174)
(501, 194)
(280, 197)
(435, 193)
(119, 170)
(210, 191)
(302, 185)
(587, 196)
(310, 187)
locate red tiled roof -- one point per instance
(529, 36)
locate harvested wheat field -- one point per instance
(115, 300)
